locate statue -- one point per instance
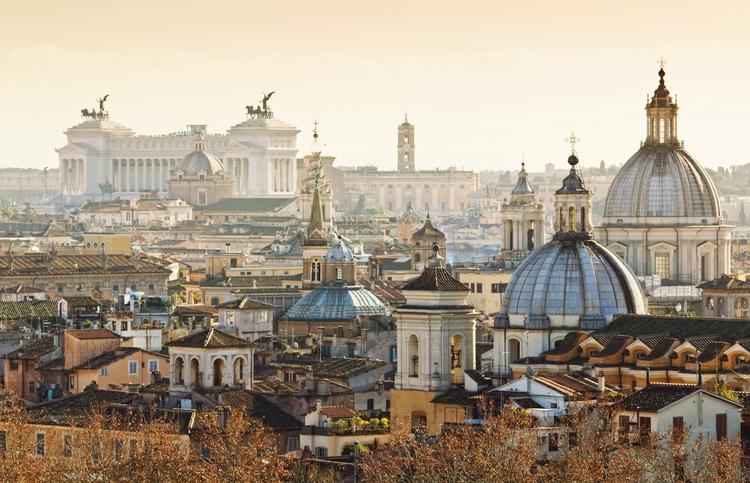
(101, 102)
(266, 97)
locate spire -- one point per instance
(522, 185)
(573, 203)
(315, 227)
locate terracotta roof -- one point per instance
(613, 346)
(211, 339)
(261, 408)
(435, 279)
(336, 412)
(679, 327)
(81, 301)
(20, 289)
(92, 334)
(112, 356)
(195, 309)
(661, 349)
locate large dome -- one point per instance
(200, 160)
(662, 181)
(573, 278)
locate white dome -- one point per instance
(662, 181)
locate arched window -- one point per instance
(219, 372)
(514, 350)
(195, 373)
(239, 371)
(562, 219)
(583, 219)
(179, 371)
(572, 219)
(413, 355)
(315, 268)
(662, 130)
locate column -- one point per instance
(63, 176)
(127, 172)
(246, 177)
(82, 177)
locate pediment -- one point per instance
(237, 148)
(74, 149)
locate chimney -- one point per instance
(602, 384)
(648, 376)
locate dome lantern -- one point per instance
(661, 115)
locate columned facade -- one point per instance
(259, 156)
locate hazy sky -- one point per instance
(483, 82)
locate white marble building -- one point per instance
(259, 153)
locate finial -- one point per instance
(572, 140)
(406, 118)
(435, 247)
(523, 167)
(662, 63)
(315, 146)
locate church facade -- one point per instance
(101, 155)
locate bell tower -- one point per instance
(573, 203)
(405, 147)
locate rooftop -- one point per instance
(210, 339)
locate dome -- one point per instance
(339, 252)
(662, 181)
(522, 186)
(428, 232)
(337, 303)
(576, 277)
(200, 160)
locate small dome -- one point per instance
(200, 160)
(428, 232)
(337, 303)
(573, 278)
(339, 252)
(662, 181)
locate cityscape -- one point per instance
(254, 256)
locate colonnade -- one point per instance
(73, 176)
(134, 175)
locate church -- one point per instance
(258, 155)
(662, 214)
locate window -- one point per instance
(572, 439)
(339, 273)
(471, 287)
(60, 289)
(321, 452)
(678, 426)
(104, 371)
(151, 287)
(202, 197)
(40, 444)
(496, 288)
(721, 426)
(214, 300)
(644, 429)
(552, 444)
(32, 386)
(115, 288)
(661, 265)
(14, 364)
(153, 366)
(292, 443)
(67, 446)
(370, 404)
(133, 367)
(479, 288)
(387, 404)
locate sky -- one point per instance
(486, 83)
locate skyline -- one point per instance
(483, 86)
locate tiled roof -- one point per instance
(337, 412)
(211, 339)
(245, 303)
(661, 349)
(345, 367)
(80, 404)
(679, 327)
(28, 308)
(261, 408)
(613, 346)
(435, 280)
(44, 264)
(81, 301)
(247, 205)
(712, 351)
(34, 348)
(569, 342)
(196, 309)
(726, 282)
(92, 334)
(111, 356)
(20, 289)
(656, 396)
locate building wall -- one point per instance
(407, 405)
(118, 372)
(81, 350)
(486, 299)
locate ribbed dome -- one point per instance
(339, 252)
(662, 181)
(338, 302)
(200, 160)
(573, 277)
